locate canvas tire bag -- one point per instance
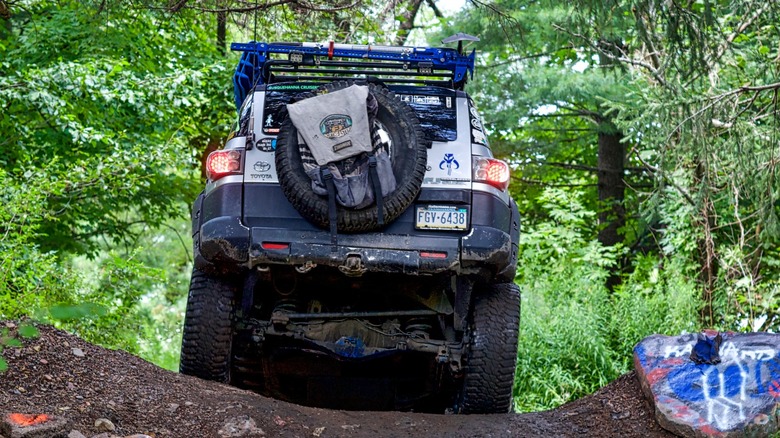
(336, 132)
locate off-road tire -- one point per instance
(492, 354)
(409, 158)
(208, 328)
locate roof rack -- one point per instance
(327, 62)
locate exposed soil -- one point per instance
(50, 375)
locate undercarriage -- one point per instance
(354, 343)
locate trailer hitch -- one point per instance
(353, 266)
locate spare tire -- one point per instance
(408, 153)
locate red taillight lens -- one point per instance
(491, 171)
(223, 163)
(274, 245)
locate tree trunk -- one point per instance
(408, 22)
(5, 12)
(706, 245)
(221, 31)
(611, 188)
(611, 165)
(5, 17)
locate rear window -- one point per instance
(434, 106)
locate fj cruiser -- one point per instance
(403, 302)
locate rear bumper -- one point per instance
(229, 238)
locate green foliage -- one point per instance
(137, 295)
(108, 108)
(103, 113)
(692, 87)
(575, 335)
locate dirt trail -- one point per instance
(58, 373)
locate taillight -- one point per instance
(491, 171)
(223, 163)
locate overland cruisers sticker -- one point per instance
(336, 125)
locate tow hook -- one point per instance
(306, 267)
(353, 266)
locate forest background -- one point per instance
(642, 135)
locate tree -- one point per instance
(114, 130)
(690, 89)
(554, 121)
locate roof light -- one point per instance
(223, 163)
(491, 171)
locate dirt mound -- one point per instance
(58, 373)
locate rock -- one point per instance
(350, 426)
(76, 434)
(318, 431)
(78, 352)
(102, 435)
(737, 397)
(20, 425)
(138, 435)
(104, 425)
(240, 426)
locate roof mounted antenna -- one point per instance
(459, 37)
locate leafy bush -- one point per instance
(576, 336)
(103, 115)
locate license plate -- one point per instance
(442, 217)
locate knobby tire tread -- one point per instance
(208, 328)
(492, 359)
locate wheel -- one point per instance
(492, 353)
(208, 328)
(408, 153)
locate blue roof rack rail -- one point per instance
(330, 61)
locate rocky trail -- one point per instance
(61, 375)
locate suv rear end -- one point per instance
(418, 313)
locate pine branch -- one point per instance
(591, 168)
(609, 55)
(741, 28)
(719, 98)
(657, 171)
(534, 182)
(503, 19)
(524, 58)
(183, 4)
